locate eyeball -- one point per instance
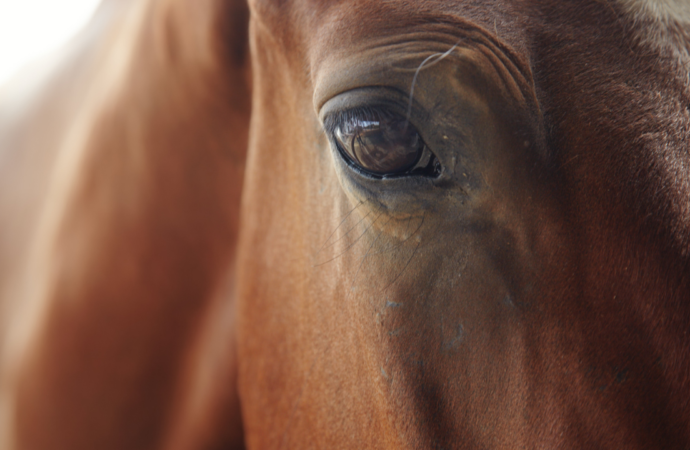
(382, 144)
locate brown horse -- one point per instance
(350, 224)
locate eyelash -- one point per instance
(342, 118)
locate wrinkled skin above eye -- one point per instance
(380, 145)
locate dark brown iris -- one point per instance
(384, 145)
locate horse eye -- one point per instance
(379, 145)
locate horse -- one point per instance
(350, 224)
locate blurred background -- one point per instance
(30, 29)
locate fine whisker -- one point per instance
(342, 222)
(439, 57)
(351, 244)
(347, 232)
(401, 243)
(408, 261)
(367, 252)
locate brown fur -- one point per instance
(159, 290)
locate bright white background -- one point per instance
(32, 28)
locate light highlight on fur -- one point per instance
(663, 25)
(661, 10)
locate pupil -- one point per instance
(385, 145)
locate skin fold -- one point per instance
(188, 261)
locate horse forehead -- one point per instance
(362, 19)
(313, 31)
(655, 20)
(488, 13)
(314, 28)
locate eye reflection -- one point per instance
(384, 144)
